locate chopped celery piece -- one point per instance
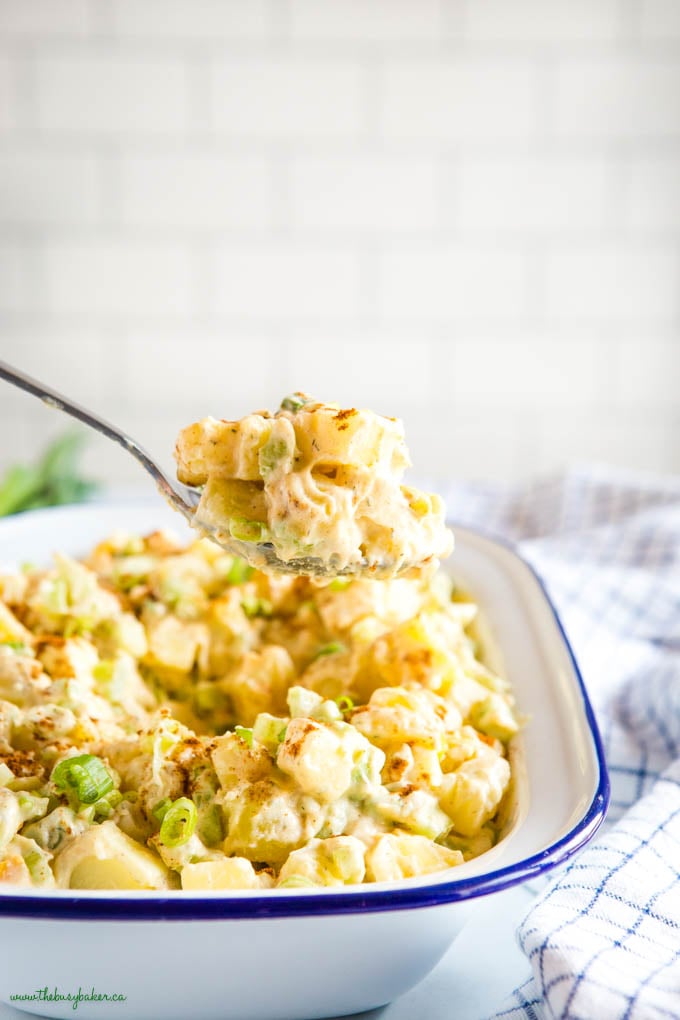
(271, 454)
(245, 734)
(244, 530)
(105, 806)
(254, 607)
(15, 646)
(302, 702)
(210, 827)
(293, 402)
(160, 810)
(32, 807)
(332, 648)
(267, 730)
(340, 583)
(297, 882)
(239, 571)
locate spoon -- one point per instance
(186, 499)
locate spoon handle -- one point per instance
(61, 403)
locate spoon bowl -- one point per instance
(185, 499)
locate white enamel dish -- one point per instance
(297, 954)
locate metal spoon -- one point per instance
(184, 498)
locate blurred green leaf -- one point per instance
(54, 480)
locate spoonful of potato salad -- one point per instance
(312, 489)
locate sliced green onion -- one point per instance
(244, 530)
(253, 607)
(293, 402)
(239, 571)
(332, 648)
(344, 703)
(160, 809)
(85, 775)
(245, 734)
(179, 823)
(340, 583)
(281, 735)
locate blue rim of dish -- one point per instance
(176, 907)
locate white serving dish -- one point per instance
(296, 954)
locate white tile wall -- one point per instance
(654, 193)
(110, 93)
(379, 21)
(453, 100)
(554, 21)
(200, 190)
(465, 213)
(109, 277)
(452, 281)
(660, 19)
(29, 179)
(364, 193)
(277, 97)
(8, 99)
(546, 193)
(610, 282)
(19, 18)
(632, 97)
(279, 282)
(188, 20)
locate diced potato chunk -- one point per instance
(235, 762)
(226, 448)
(338, 860)
(11, 629)
(400, 855)
(418, 811)
(494, 716)
(14, 870)
(471, 795)
(266, 822)
(230, 873)
(319, 761)
(10, 816)
(395, 716)
(175, 644)
(260, 683)
(103, 857)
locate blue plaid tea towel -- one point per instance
(603, 937)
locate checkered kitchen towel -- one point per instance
(603, 937)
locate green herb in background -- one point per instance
(54, 480)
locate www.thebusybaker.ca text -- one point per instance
(54, 995)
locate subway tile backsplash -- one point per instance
(462, 212)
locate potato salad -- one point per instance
(315, 483)
(171, 718)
